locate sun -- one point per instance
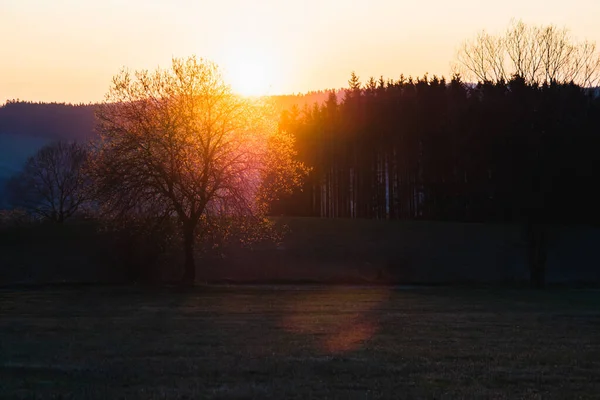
(251, 73)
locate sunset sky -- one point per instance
(68, 50)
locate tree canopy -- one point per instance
(178, 143)
(53, 184)
(538, 54)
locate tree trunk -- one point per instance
(536, 243)
(189, 274)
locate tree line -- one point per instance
(179, 157)
(429, 149)
(56, 121)
(521, 148)
(538, 54)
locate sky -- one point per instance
(68, 50)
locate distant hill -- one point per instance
(14, 151)
(54, 121)
(51, 121)
(284, 102)
(25, 127)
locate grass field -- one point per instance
(298, 342)
(315, 250)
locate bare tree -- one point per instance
(585, 65)
(482, 58)
(540, 55)
(178, 143)
(52, 183)
(523, 49)
(557, 51)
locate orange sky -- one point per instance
(68, 50)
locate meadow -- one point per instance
(314, 250)
(285, 341)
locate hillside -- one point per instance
(26, 127)
(14, 151)
(50, 121)
(53, 121)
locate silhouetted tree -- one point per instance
(52, 184)
(178, 143)
(425, 148)
(539, 54)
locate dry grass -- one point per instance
(298, 342)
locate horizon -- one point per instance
(69, 51)
(311, 199)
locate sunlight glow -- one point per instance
(269, 46)
(347, 328)
(251, 72)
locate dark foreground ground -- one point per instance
(299, 342)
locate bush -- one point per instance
(15, 217)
